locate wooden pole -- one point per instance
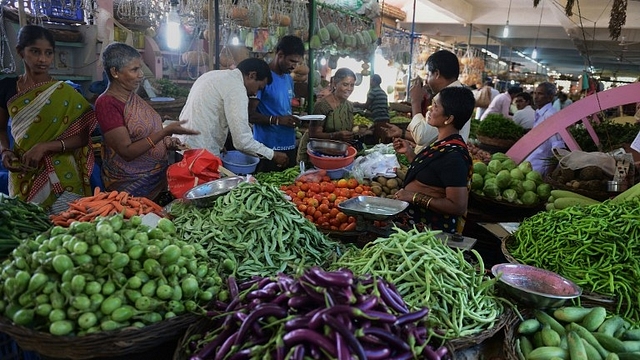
(22, 16)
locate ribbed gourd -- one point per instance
(254, 16)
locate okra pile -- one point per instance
(105, 275)
(318, 314)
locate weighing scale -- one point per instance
(367, 209)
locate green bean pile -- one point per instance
(428, 273)
(285, 177)
(596, 246)
(257, 229)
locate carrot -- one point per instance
(125, 198)
(117, 206)
(113, 194)
(129, 212)
(77, 206)
(151, 204)
(96, 191)
(132, 203)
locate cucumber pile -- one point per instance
(577, 333)
(105, 275)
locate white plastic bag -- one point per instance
(375, 164)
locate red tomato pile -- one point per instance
(317, 197)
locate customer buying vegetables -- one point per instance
(437, 182)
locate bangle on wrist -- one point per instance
(428, 202)
(64, 148)
(413, 200)
(5, 150)
(270, 120)
(277, 121)
(150, 142)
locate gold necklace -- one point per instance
(24, 80)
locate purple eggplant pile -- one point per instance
(319, 315)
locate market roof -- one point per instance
(565, 44)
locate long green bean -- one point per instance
(596, 246)
(428, 273)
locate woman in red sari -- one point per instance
(438, 179)
(51, 124)
(135, 156)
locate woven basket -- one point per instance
(468, 341)
(596, 195)
(508, 241)
(103, 345)
(200, 327)
(498, 143)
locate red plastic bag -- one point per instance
(197, 166)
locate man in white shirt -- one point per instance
(218, 104)
(543, 98)
(525, 115)
(443, 69)
(501, 104)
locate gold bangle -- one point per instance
(64, 148)
(428, 202)
(150, 142)
(271, 120)
(277, 121)
(413, 200)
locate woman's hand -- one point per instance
(177, 128)
(11, 162)
(404, 195)
(344, 135)
(31, 159)
(173, 143)
(402, 146)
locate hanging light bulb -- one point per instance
(534, 53)
(173, 28)
(505, 31)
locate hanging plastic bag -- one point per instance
(197, 166)
(380, 162)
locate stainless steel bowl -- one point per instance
(616, 186)
(535, 287)
(205, 194)
(328, 147)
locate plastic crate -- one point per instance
(60, 9)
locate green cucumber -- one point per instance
(609, 342)
(545, 318)
(571, 313)
(548, 352)
(528, 327)
(611, 325)
(594, 318)
(576, 347)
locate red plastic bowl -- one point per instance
(332, 162)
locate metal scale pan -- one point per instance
(367, 209)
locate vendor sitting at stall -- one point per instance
(437, 182)
(338, 124)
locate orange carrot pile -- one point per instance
(105, 204)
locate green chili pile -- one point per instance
(285, 177)
(256, 231)
(19, 220)
(428, 273)
(595, 246)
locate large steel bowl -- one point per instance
(535, 287)
(205, 194)
(328, 147)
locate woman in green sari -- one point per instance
(338, 124)
(51, 124)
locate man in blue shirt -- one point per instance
(270, 111)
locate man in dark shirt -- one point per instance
(378, 107)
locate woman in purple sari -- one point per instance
(135, 156)
(438, 179)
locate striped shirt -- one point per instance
(378, 104)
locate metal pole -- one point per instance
(312, 74)
(411, 37)
(22, 16)
(484, 70)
